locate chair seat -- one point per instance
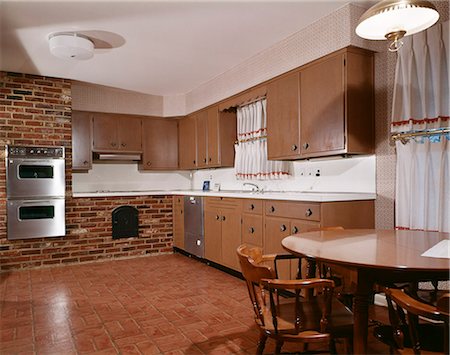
(339, 323)
(431, 336)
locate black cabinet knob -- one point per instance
(294, 147)
(272, 209)
(305, 145)
(252, 206)
(294, 230)
(283, 228)
(251, 230)
(308, 212)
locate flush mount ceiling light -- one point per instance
(71, 45)
(394, 19)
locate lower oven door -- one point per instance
(36, 218)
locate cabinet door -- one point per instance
(213, 157)
(301, 226)
(81, 141)
(283, 117)
(105, 132)
(202, 140)
(322, 113)
(213, 235)
(252, 229)
(187, 147)
(231, 238)
(178, 222)
(129, 132)
(275, 230)
(160, 144)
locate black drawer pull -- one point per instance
(308, 212)
(283, 228)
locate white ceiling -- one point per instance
(161, 48)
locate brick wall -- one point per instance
(36, 110)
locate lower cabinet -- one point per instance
(222, 228)
(178, 222)
(228, 222)
(276, 229)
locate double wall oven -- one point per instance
(35, 191)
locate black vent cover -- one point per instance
(125, 222)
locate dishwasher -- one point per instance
(194, 242)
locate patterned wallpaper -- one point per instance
(97, 98)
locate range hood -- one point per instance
(117, 157)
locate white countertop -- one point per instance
(266, 195)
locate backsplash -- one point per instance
(356, 174)
(127, 177)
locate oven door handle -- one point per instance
(38, 202)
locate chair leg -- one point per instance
(278, 346)
(261, 344)
(333, 347)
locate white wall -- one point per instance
(356, 174)
(127, 177)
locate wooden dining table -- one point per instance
(378, 257)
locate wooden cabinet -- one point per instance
(252, 222)
(159, 144)
(114, 132)
(178, 222)
(81, 141)
(206, 139)
(283, 218)
(202, 138)
(221, 135)
(324, 108)
(222, 230)
(283, 132)
(187, 146)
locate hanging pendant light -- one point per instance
(394, 19)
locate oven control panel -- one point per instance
(34, 152)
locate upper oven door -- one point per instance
(34, 178)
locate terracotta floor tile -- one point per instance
(166, 304)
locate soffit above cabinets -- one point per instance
(159, 48)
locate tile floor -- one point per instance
(167, 304)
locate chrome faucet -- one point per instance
(255, 187)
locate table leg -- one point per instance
(361, 312)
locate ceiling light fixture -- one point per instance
(71, 45)
(394, 19)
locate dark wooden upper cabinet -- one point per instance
(206, 139)
(105, 132)
(187, 143)
(81, 141)
(283, 134)
(115, 132)
(202, 138)
(160, 144)
(322, 116)
(129, 133)
(324, 108)
(222, 133)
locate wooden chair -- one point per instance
(406, 335)
(318, 318)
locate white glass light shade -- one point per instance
(71, 46)
(390, 16)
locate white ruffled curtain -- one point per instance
(421, 103)
(251, 161)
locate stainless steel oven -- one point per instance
(35, 190)
(36, 218)
(35, 172)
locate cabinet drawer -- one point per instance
(253, 206)
(299, 210)
(222, 202)
(252, 230)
